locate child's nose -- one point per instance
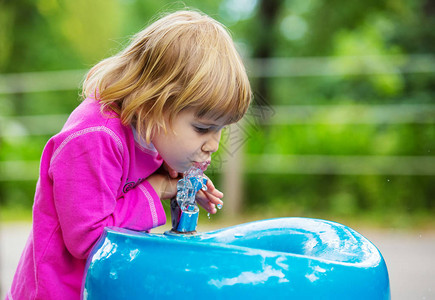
(212, 143)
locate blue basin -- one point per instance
(292, 258)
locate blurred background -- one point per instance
(343, 121)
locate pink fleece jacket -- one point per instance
(92, 175)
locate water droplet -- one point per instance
(208, 216)
(219, 206)
(388, 180)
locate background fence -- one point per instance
(235, 160)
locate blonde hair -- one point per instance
(183, 60)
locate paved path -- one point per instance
(410, 258)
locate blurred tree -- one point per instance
(6, 24)
(32, 44)
(266, 41)
(89, 26)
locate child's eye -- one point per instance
(201, 129)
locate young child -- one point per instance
(151, 112)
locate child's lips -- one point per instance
(202, 165)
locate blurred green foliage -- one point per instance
(49, 35)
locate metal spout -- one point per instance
(183, 222)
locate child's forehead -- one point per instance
(212, 120)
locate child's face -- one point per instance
(191, 140)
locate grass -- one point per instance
(15, 214)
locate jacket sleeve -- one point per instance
(86, 175)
